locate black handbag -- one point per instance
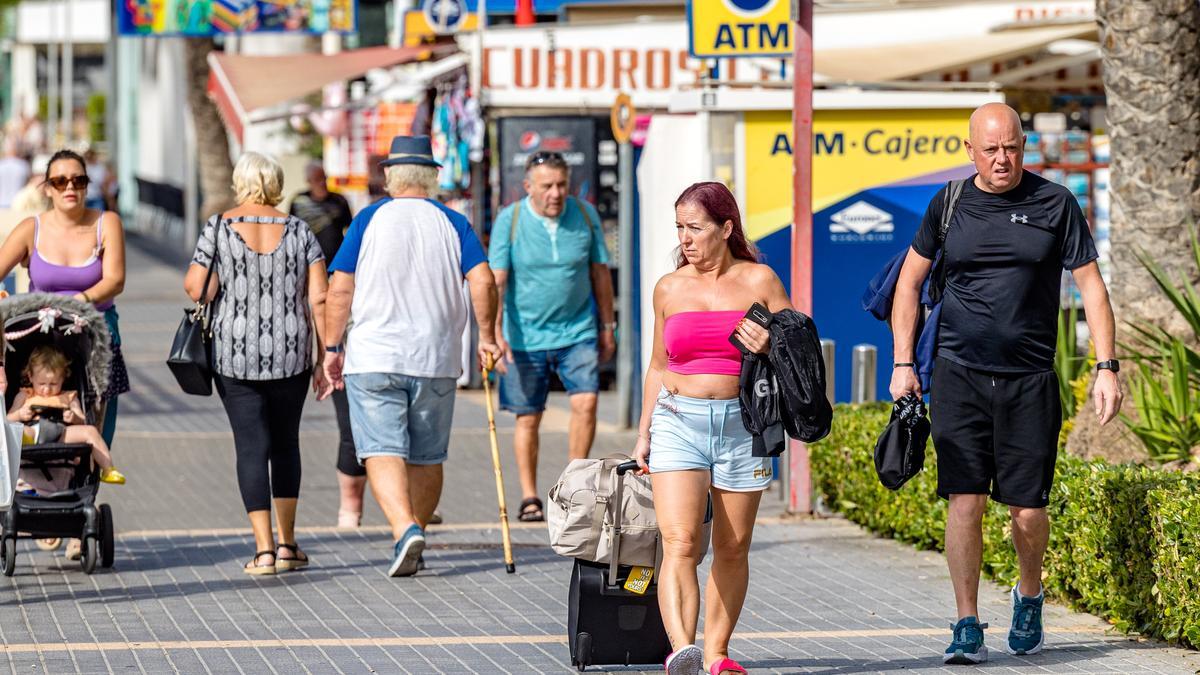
(900, 452)
(191, 351)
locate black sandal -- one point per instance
(254, 568)
(298, 560)
(531, 511)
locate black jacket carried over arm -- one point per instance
(786, 388)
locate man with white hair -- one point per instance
(398, 276)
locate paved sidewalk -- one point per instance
(825, 597)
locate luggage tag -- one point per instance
(639, 579)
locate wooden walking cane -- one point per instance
(509, 565)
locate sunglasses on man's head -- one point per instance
(541, 157)
(61, 182)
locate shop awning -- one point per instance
(239, 84)
(903, 61)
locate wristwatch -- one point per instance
(1111, 364)
(335, 349)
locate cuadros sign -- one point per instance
(727, 28)
(588, 66)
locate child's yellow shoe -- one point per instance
(111, 475)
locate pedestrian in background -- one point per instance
(691, 438)
(14, 172)
(74, 250)
(268, 285)
(328, 216)
(397, 280)
(994, 403)
(99, 194)
(551, 265)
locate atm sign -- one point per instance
(727, 28)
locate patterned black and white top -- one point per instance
(262, 322)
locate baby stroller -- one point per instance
(79, 332)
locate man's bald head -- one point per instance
(997, 147)
(991, 115)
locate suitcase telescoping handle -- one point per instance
(615, 555)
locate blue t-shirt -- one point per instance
(548, 300)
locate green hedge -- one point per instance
(1124, 543)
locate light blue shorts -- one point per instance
(698, 433)
(395, 415)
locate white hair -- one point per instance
(398, 177)
(258, 179)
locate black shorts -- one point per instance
(995, 433)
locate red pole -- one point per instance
(525, 15)
(799, 473)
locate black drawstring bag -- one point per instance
(900, 452)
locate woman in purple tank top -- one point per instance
(77, 251)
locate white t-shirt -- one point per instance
(409, 258)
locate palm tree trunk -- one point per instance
(212, 142)
(1151, 57)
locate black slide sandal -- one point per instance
(531, 511)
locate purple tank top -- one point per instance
(45, 277)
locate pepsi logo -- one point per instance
(748, 6)
(530, 140)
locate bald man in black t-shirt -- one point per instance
(994, 400)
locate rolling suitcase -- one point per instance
(606, 624)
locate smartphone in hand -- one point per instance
(759, 315)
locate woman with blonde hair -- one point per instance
(267, 279)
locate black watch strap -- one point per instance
(334, 349)
(903, 365)
(1111, 364)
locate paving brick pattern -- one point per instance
(824, 597)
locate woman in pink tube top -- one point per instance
(691, 439)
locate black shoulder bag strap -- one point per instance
(954, 190)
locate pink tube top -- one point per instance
(698, 343)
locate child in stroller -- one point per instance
(51, 415)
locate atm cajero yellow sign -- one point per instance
(725, 28)
(853, 150)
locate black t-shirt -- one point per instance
(1005, 255)
(328, 219)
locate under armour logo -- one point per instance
(1022, 219)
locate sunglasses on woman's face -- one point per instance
(60, 183)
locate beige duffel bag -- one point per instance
(582, 508)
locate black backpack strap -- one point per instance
(954, 190)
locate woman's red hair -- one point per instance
(719, 204)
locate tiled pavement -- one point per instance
(824, 596)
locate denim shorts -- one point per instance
(699, 433)
(523, 389)
(395, 415)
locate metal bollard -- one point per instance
(862, 373)
(827, 355)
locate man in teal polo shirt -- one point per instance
(548, 256)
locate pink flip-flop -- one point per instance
(726, 665)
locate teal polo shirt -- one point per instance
(548, 300)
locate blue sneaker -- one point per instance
(1026, 635)
(967, 649)
(408, 552)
